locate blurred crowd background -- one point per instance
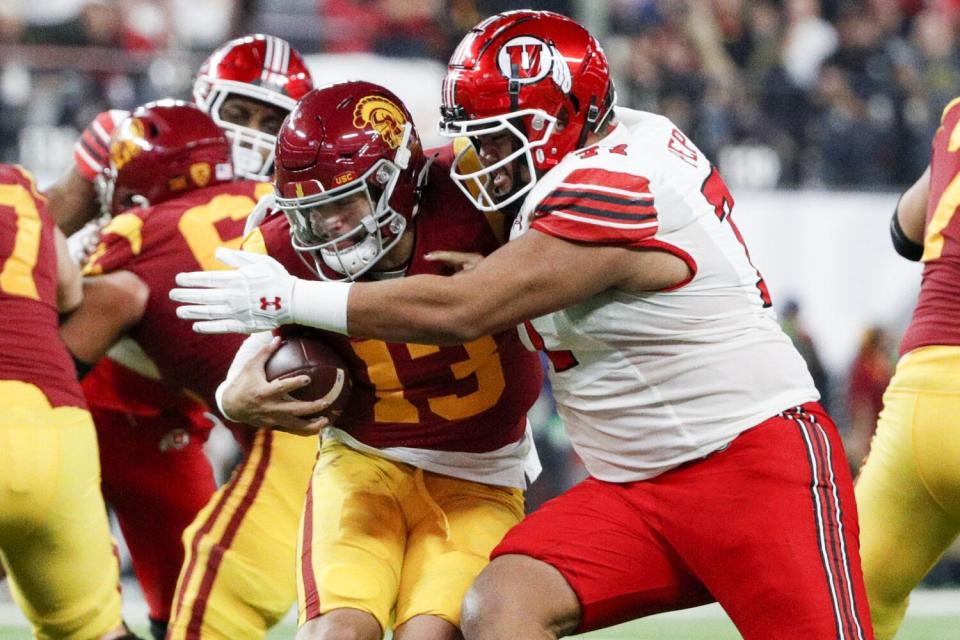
(782, 94)
(789, 93)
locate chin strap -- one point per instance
(402, 159)
(598, 115)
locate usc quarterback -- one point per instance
(424, 471)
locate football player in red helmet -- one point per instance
(533, 84)
(349, 199)
(162, 150)
(168, 187)
(248, 86)
(428, 457)
(714, 473)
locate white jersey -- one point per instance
(646, 382)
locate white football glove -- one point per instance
(256, 296)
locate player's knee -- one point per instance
(504, 604)
(886, 614)
(490, 609)
(341, 624)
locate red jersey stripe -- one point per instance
(605, 180)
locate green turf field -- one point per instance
(658, 628)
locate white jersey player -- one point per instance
(714, 473)
(702, 360)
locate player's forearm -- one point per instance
(111, 305)
(69, 281)
(912, 208)
(72, 202)
(420, 309)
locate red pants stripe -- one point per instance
(826, 501)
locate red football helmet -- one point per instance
(535, 75)
(349, 165)
(162, 150)
(260, 67)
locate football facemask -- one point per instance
(350, 228)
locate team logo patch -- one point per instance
(526, 60)
(128, 141)
(200, 172)
(385, 117)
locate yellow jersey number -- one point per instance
(483, 363)
(947, 204)
(16, 275)
(197, 225)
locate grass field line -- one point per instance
(923, 603)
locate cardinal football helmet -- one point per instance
(260, 67)
(348, 170)
(162, 150)
(535, 75)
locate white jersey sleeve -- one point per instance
(646, 382)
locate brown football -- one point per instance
(329, 377)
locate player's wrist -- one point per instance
(322, 305)
(218, 394)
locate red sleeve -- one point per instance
(91, 151)
(599, 206)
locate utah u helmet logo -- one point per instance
(526, 60)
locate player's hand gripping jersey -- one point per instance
(691, 366)
(158, 242)
(443, 409)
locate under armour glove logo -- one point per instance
(266, 304)
(255, 296)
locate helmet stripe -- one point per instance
(267, 57)
(276, 60)
(284, 58)
(450, 88)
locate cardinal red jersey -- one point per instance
(472, 397)
(30, 346)
(157, 243)
(938, 307)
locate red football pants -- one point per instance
(157, 478)
(155, 474)
(767, 527)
